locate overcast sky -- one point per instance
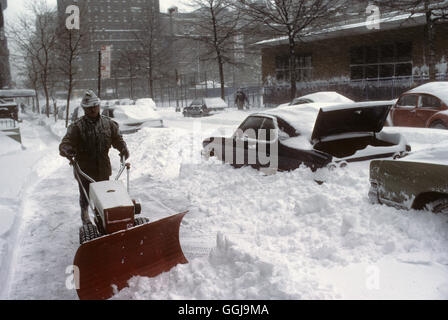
(17, 6)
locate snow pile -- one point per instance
(231, 271)
(7, 144)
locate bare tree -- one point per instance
(148, 34)
(71, 45)
(435, 12)
(292, 19)
(217, 25)
(35, 36)
(130, 64)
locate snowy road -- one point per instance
(247, 236)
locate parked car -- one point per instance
(424, 106)
(315, 135)
(146, 102)
(132, 118)
(204, 107)
(319, 97)
(409, 184)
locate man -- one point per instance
(88, 141)
(240, 99)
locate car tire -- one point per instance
(438, 124)
(439, 206)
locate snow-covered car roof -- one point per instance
(326, 96)
(148, 102)
(438, 89)
(215, 103)
(126, 113)
(319, 97)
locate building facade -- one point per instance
(5, 71)
(123, 26)
(354, 57)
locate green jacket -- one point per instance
(91, 139)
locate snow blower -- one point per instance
(119, 246)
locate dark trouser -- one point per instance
(83, 200)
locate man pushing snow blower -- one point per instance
(119, 246)
(88, 141)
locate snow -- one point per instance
(215, 103)
(327, 96)
(247, 235)
(322, 97)
(7, 144)
(131, 113)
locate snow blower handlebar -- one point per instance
(78, 172)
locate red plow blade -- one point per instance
(146, 250)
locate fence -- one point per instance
(363, 90)
(180, 97)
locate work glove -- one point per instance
(124, 153)
(68, 152)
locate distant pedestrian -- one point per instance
(241, 99)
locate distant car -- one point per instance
(409, 185)
(319, 97)
(146, 102)
(316, 135)
(425, 106)
(132, 118)
(204, 107)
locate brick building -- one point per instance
(353, 57)
(119, 24)
(5, 71)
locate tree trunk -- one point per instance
(431, 44)
(221, 76)
(292, 63)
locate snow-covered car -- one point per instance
(146, 102)
(409, 184)
(132, 118)
(425, 106)
(204, 107)
(315, 135)
(319, 97)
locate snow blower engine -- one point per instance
(111, 204)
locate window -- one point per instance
(267, 126)
(381, 61)
(428, 101)
(409, 100)
(303, 68)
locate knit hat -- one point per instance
(90, 100)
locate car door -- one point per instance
(267, 144)
(428, 106)
(245, 142)
(403, 113)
